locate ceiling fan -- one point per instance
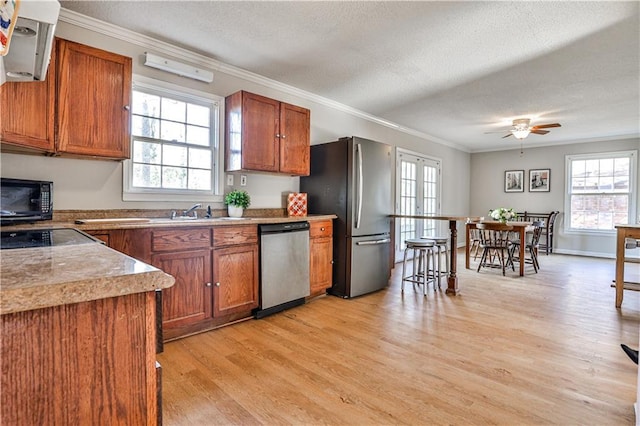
(521, 128)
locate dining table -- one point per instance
(520, 227)
(452, 277)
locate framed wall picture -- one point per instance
(514, 181)
(539, 180)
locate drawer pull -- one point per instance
(322, 229)
(208, 284)
(217, 284)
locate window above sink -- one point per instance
(176, 152)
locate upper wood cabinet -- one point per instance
(93, 102)
(30, 118)
(81, 109)
(263, 134)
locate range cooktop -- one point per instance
(44, 238)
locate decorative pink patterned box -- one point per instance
(297, 204)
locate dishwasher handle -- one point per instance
(373, 242)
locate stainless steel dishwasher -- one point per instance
(284, 266)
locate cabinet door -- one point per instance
(235, 271)
(189, 300)
(294, 140)
(30, 118)
(94, 89)
(260, 124)
(321, 265)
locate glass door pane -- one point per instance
(417, 193)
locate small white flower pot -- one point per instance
(234, 211)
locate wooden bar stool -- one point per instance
(423, 263)
(441, 244)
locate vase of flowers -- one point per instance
(503, 214)
(236, 202)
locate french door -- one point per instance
(417, 192)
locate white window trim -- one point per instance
(214, 196)
(633, 191)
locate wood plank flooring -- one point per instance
(539, 349)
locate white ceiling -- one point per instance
(451, 70)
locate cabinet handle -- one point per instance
(126, 108)
(217, 284)
(208, 284)
(277, 135)
(322, 229)
(283, 136)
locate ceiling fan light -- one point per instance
(520, 133)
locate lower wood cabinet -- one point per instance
(236, 279)
(216, 272)
(188, 301)
(321, 256)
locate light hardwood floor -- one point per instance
(539, 349)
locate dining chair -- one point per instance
(494, 242)
(532, 245)
(474, 243)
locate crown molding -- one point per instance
(146, 42)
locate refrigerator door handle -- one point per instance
(373, 242)
(359, 209)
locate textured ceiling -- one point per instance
(451, 70)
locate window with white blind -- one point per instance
(601, 191)
(175, 149)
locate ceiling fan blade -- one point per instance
(506, 136)
(545, 126)
(540, 132)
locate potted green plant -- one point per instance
(236, 202)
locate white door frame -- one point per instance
(414, 228)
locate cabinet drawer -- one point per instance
(180, 239)
(321, 228)
(230, 235)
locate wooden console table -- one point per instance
(624, 231)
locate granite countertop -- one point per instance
(34, 278)
(157, 222)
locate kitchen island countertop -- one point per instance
(34, 278)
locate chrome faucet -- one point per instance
(192, 209)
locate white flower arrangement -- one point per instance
(503, 214)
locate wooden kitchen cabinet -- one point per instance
(267, 135)
(215, 268)
(94, 91)
(235, 266)
(81, 109)
(30, 119)
(186, 255)
(320, 256)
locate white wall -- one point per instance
(93, 184)
(487, 188)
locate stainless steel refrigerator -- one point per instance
(351, 178)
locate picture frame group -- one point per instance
(539, 180)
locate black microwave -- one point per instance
(25, 201)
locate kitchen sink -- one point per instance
(194, 219)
